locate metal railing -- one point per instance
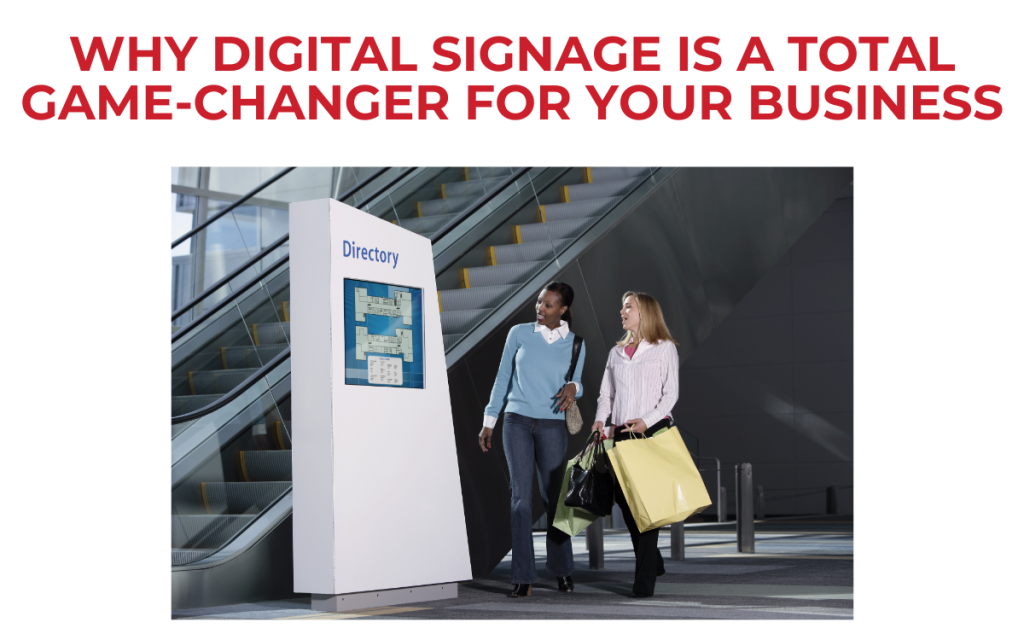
(231, 207)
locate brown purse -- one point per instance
(573, 419)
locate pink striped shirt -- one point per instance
(645, 386)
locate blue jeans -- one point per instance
(526, 440)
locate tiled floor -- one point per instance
(801, 570)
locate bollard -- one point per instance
(595, 543)
(745, 508)
(723, 503)
(760, 502)
(832, 500)
(678, 543)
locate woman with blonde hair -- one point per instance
(639, 389)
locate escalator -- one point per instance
(498, 234)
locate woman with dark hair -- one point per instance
(532, 378)
(639, 389)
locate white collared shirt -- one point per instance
(645, 387)
(548, 334)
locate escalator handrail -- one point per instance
(213, 288)
(237, 391)
(362, 183)
(226, 301)
(231, 207)
(220, 283)
(477, 204)
(376, 193)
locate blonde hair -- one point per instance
(652, 322)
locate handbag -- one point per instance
(590, 488)
(573, 419)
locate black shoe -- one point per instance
(521, 590)
(639, 595)
(565, 584)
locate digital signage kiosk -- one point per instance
(378, 515)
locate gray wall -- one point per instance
(699, 243)
(773, 383)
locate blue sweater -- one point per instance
(532, 372)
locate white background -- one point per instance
(938, 225)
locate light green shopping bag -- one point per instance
(572, 520)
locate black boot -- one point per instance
(565, 584)
(521, 590)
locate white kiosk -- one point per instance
(378, 517)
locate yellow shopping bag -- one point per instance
(659, 479)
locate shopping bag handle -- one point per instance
(590, 445)
(634, 436)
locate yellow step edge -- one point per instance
(542, 216)
(517, 235)
(587, 176)
(241, 465)
(206, 498)
(191, 384)
(280, 434)
(439, 307)
(464, 278)
(465, 173)
(419, 209)
(565, 193)
(492, 259)
(394, 222)
(223, 357)
(284, 312)
(444, 196)
(255, 336)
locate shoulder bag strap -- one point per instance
(577, 342)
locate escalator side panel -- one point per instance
(261, 572)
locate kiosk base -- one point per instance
(387, 597)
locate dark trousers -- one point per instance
(649, 563)
(529, 440)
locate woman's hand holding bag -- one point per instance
(590, 488)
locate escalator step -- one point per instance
(239, 357)
(240, 497)
(474, 298)
(209, 382)
(281, 434)
(270, 333)
(529, 251)
(445, 206)
(461, 321)
(503, 274)
(604, 174)
(206, 531)
(553, 230)
(265, 466)
(480, 173)
(575, 210)
(472, 188)
(187, 404)
(179, 386)
(424, 226)
(187, 556)
(450, 339)
(601, 189)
